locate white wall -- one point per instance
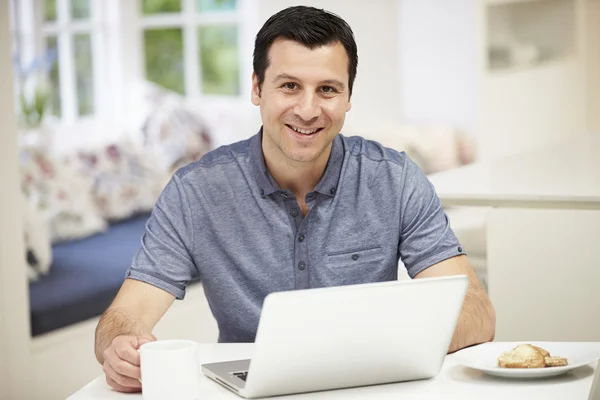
(375, 99)
(437, 75)
(14, 307)
(593, 67)
(446, 80)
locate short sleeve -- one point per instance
(165, 257)
(425, 234)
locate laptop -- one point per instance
(347, 336)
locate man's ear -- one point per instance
(255, 96)
(349, 105)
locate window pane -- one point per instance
(53, 76)
(219, 60)
(160, 6)
(215, 5)
(163, 50)
(82, 45)
(49, 10)
(80, 9)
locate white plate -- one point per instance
(484, 357)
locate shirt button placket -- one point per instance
(302, 281)
(300, 249)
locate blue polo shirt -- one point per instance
(225, 221)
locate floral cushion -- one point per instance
(124, 180)
(38, 247)
(173, 131)
(60, 196)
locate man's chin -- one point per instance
(302, 157)
(305, 155)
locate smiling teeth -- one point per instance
(304, 131)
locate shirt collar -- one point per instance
(267, 184)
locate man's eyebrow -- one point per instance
(333, 82)
(285, 76)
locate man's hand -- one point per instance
(122, 363)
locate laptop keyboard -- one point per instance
(242, 375)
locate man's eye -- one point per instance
(328, 89)
(290, 86)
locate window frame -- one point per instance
(64, 29)
(189, 21)
(116, 28)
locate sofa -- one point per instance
(84, 276)
(86, 204)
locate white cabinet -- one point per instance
(511, 73)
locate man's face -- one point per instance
(303, 100)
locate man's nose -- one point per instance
(308, 107)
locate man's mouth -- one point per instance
(304, 131)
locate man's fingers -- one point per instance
(111, 382)
(126, 351)
(126, 369)
(121, 380)
(122, 363)
(145, 339)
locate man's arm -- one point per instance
(134, 312)
(477, 320)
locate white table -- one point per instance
(543, 237)
(453, 382)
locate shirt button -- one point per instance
(294, 212)
(332, 191)
(355, 257)
(301, 265)
(301, 238)
(460, 249)
(284, 195)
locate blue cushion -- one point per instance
(85, 276)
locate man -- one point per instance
(296, 206)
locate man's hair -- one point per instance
(309, 26)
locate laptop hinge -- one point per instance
(222, 382)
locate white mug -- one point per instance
(170, 370)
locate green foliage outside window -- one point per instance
(84, 73)
(49, 10)
(215, 5)
(80, 9)
(219, 57)
(163, 53)
(54, 78)
(160, 6)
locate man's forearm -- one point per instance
(476, 323)
(116, 322)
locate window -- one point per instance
(94, 50)
(72, 30)
(193, 46)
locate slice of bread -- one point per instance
(522, 356)
(544, 352)
(555, 361)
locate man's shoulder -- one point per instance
(222, 156)
(361, 148)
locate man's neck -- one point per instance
(299, 177)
